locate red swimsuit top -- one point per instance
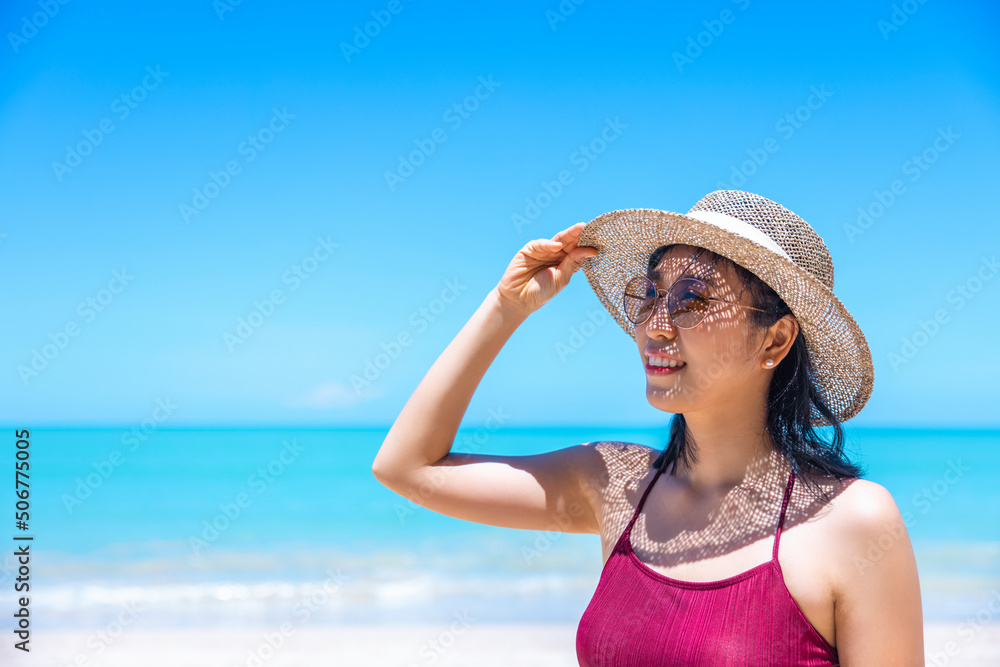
(640, 618)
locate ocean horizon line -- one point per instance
(213, 426)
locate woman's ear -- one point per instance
(780, 337)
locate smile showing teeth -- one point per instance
(665, 363)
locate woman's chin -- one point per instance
(666, 400)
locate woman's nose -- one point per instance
(659, 321)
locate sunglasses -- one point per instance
(687, 301)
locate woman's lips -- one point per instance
(664, 370)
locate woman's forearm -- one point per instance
(426, 427)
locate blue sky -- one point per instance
(168, 171)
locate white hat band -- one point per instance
(737, 226)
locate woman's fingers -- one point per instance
(560, 246)
(566, 240)
(546, 248)
(569, 265)
(555, 250)
(570, 234)
(543, 267)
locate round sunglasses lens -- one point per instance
(688, 302)
(638, 300)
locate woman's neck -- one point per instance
(729, 452)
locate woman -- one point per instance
(740, 336)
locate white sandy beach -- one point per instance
(395, 646)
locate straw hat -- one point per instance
(770, 241)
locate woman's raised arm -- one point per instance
(529, 492)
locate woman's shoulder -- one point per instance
(863, 504)
(857, 515)
(617, 459)
(615, 480)
(613, 467)
(863, 538)
(619, 448)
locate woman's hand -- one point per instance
(542, 268)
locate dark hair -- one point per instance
(792, 397)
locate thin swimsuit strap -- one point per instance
(781, 519)
(642, 501)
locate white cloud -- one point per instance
(332, 395)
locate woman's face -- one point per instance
(722, 368)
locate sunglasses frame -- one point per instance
(666, 292)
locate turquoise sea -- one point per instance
(239, 527)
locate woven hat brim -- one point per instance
(841, 359)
